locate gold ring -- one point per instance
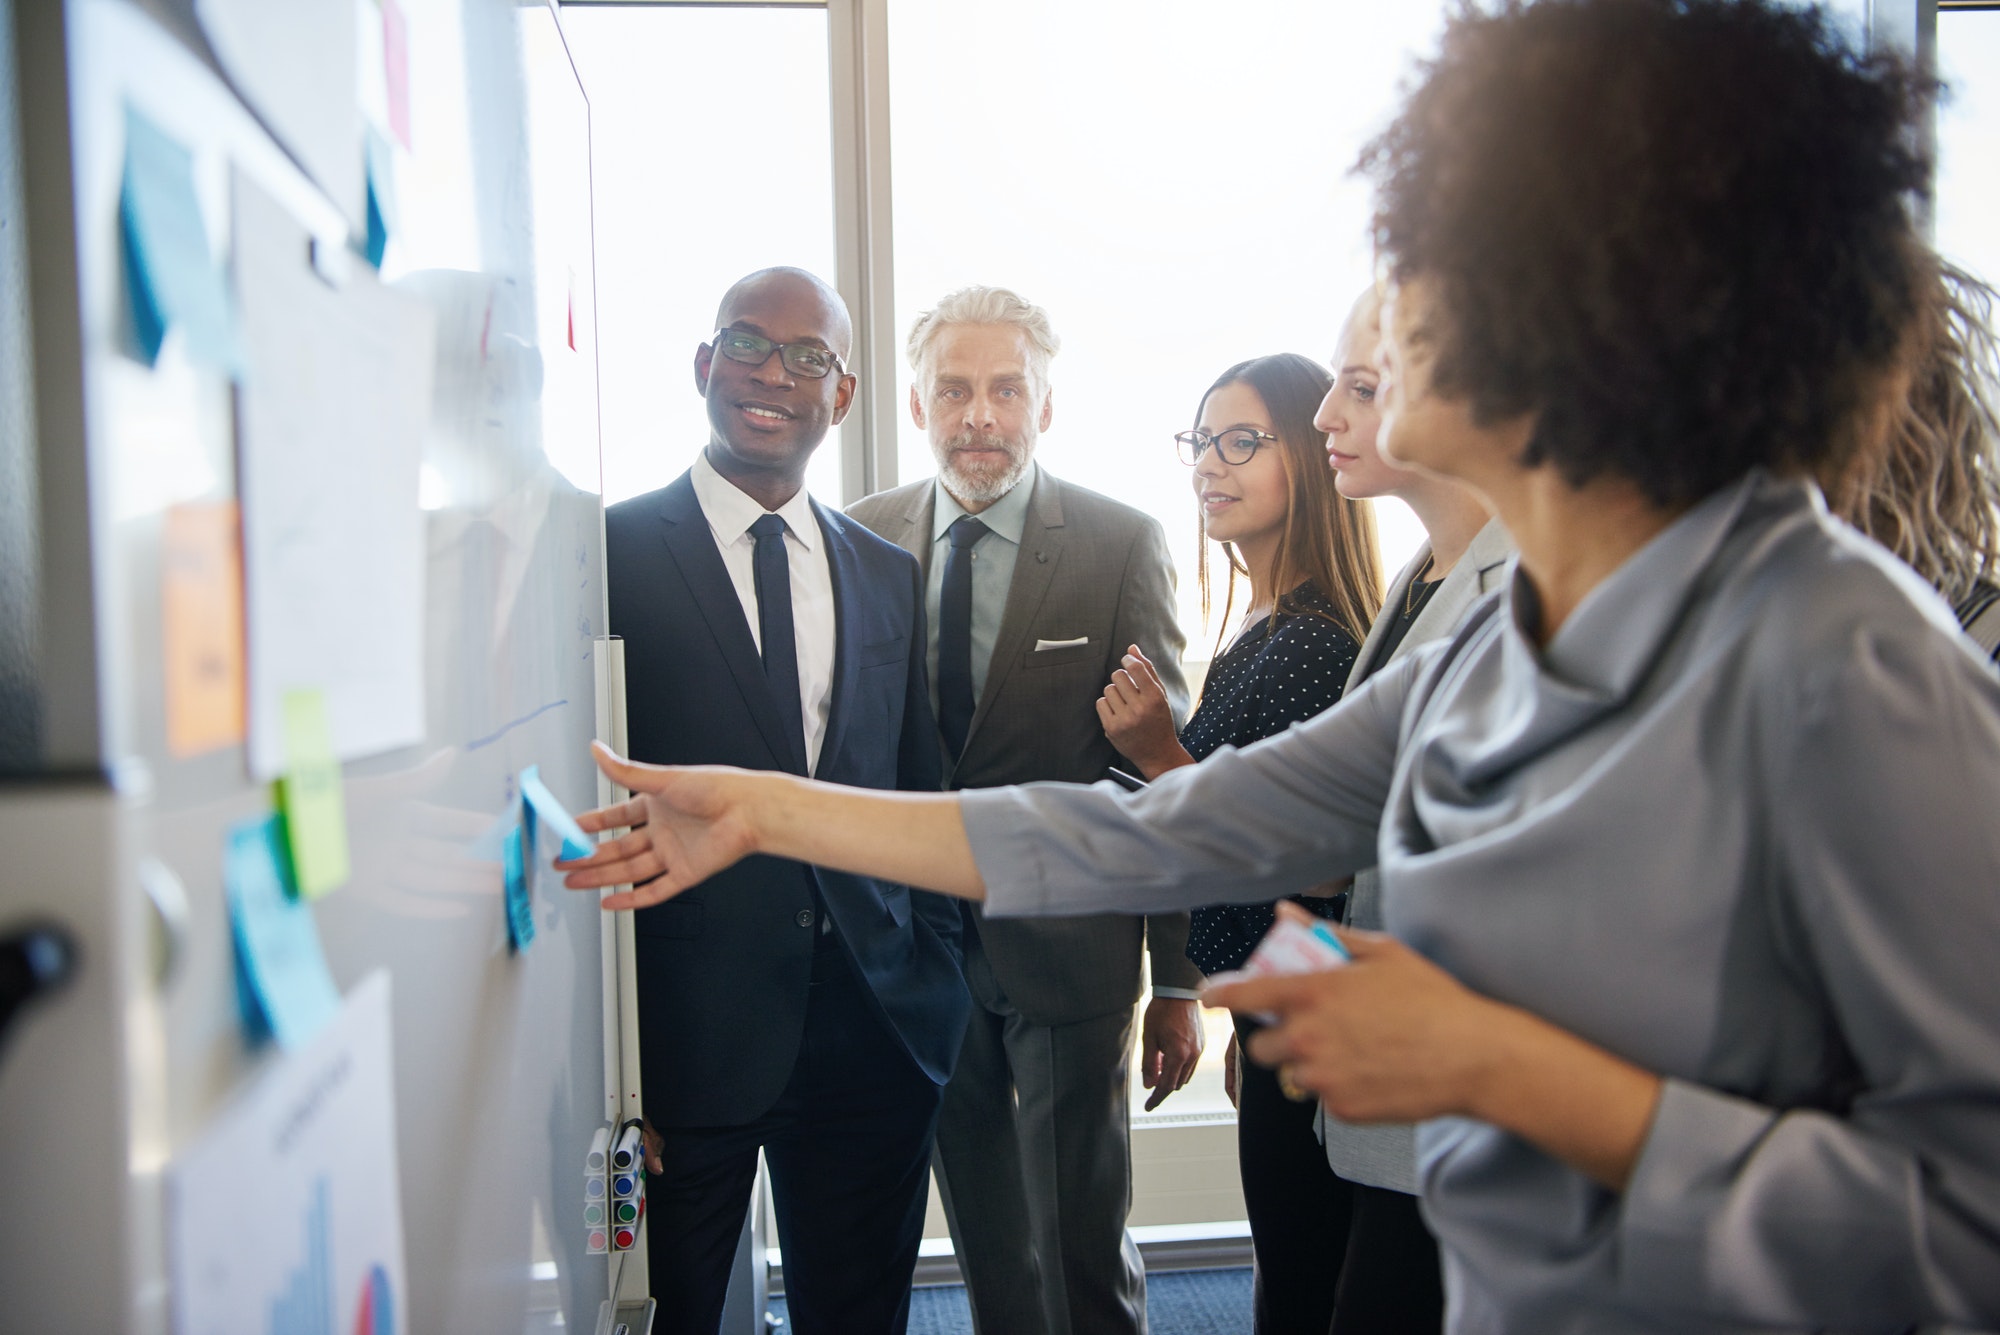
(1289, 1087)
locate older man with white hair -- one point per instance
(1035, 588)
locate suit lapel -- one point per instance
(918, 517)
(1034, 571)
(844, 565)
(1398, 590)
(1487, 552)
(691, 544)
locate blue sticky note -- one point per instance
(520, 910)
(170, 276)
(277, 942)
(381, 197)
(543, 803)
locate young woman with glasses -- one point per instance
(1264, 493)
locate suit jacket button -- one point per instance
(805, 918)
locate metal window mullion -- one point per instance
(1909, 27)
(858, 47)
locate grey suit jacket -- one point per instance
(1385, 1155)
(1090, 568)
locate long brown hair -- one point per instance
(1327, 539)
(1929, 491)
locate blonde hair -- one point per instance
(1930, 490)
(985, 305)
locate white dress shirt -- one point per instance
(730, 513)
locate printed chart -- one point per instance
(285, 1217)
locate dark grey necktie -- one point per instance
(774, 628)
(955, 699)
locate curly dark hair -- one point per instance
(1676, 231)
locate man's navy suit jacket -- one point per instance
(724, 967)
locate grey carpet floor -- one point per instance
(1178, 1302)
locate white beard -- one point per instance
(987, 485)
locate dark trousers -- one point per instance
(849, 1148)
(1392, 1280)
(1332, 1255)
(1034, 1164)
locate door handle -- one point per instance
(34, 961)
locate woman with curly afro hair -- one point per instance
(1685, 836)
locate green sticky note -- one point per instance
(309, 798)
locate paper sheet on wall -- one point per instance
(331, 416)
(295, 64)
(286, 1216)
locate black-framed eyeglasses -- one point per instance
(1236, 445)
(807, 359)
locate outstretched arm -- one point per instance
(686, 824)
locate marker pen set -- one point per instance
(614, 1189)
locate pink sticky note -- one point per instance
(396, 68)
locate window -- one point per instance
(1968, 133)
(1171, 184)
(699, 176)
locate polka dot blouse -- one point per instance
(1261, 685)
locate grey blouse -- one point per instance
(1739, 823)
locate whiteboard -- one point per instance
(501, 1065)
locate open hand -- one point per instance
(685, 825)
(1137, 718)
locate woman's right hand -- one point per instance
(1138, 720)
(684, 825)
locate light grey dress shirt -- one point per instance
(1735, 823)
(992, 572)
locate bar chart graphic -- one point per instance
(305, 1307)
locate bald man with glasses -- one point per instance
(810, 1014)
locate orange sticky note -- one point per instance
(201, 630)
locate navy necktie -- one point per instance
(774, 627)
(955, 699)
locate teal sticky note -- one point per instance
(541, 802)
(172, 279)
(381, 197)
(515, 858)
(277, 941)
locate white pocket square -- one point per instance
(1076, 643)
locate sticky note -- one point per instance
(381, 197)
(171, 278)
(201, 626)
(520, 909)
(309, 796)
(396, 69)
(541, 802)
(282, 976)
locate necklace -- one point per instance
(1416, 582)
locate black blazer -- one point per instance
(724, 967)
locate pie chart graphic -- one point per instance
(376, 1314)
